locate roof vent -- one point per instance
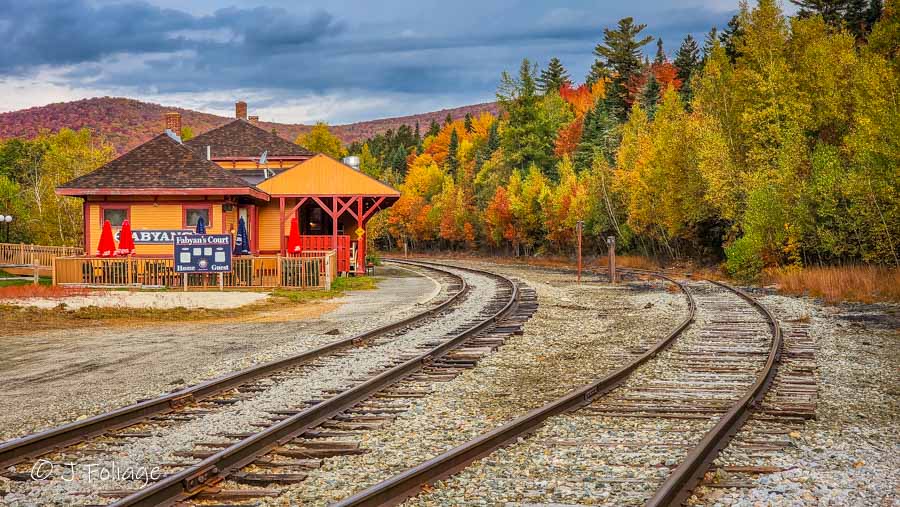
(352, 161)
(173, 135)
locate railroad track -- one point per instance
(683, 398)
(291, 438)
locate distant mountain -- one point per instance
(127, 123)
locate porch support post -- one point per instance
(334, 222)
(361, 242)
(87, 226)
(281, 225)
(254, 230)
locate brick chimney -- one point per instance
(173, 122)
(240, 110)
(254, 120)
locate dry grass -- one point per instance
(549, 261)
(866, 284)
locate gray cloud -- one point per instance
(349, 47)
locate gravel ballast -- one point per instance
(593, 458)
(850, 453)
(577, 334)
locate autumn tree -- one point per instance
(498, 219)
(31, 170)
(320, 140)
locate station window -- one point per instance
(193, 214)
(116, 216)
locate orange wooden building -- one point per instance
(163, 187)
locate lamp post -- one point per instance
(7, 219)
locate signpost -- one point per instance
(203, 253)
(611, 243)
(578, 228)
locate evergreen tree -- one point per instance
(619, 56)
(448, 120)
(650, 95)
(598, 137)
(730, 35)
(712, 38)
(398, 160)
(493, 141)
(687, 61)
(434, 128)
(452, 153)
(861, 15)
(528, 136)
(660, 52)
(419, 146)
(468, 123)
(553, 77)
(832, 11)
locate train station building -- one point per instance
(239, 170)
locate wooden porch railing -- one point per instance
(22, 255)
(307, 272)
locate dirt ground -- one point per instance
(136, 299)
(51, 377)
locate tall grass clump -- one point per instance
(834, 284)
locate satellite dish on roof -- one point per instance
(264, 161)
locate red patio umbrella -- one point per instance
(107, 245)
(126, 242)
(294, 246)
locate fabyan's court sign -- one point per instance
(155, 236)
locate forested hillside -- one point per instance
(126, 123)
(776, 143)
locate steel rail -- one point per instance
(408, 483)
(193, 480)
(31, 446)
(678, 486)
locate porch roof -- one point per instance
(325, 176)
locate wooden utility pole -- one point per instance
(611, 243)
(579, 225)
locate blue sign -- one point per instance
(203, 253)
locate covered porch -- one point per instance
(332, 204)
(329, 223)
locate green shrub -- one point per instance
(744, 259)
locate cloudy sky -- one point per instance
(338, 61)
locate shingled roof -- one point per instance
(241, 138)
(159, 165)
